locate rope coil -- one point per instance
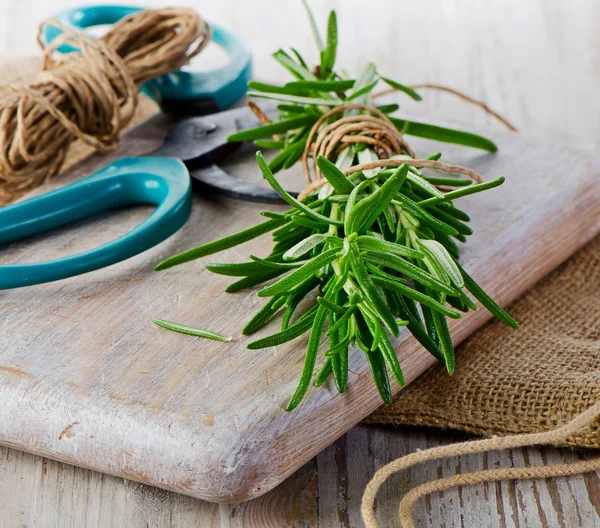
(89, 94)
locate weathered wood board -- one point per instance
(87, 379)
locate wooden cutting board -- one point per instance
(87, 379)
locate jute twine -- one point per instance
(553, 437)
(373, 129)
(89, 95)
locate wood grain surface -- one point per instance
(534, 61)
(88, 380)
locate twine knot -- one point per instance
(89, 93)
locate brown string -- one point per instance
(90, 95)
(375, 130)
(553, 437)
(461, 95)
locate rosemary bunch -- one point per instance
(373, 240)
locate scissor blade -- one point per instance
(219, 181)
(201, 141)
(197, 140)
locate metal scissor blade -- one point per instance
(217, 180)
(197, 140)
(200, 141)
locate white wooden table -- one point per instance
(537, 63)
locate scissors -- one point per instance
(161, 179)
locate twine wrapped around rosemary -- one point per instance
(88, 94)
(372, 238)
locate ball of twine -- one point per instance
(89, 94)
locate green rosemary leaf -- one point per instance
(449, 244)
(415, 296)
(268, 175)
(294, 154)
(353, 198)
(402, 88)
(243, 269)
(453, 211)
(471, 189)
(441, 255)
(310, 359)
(362, 216)
(420, 214)
(450, 220)
(311, 224)
(264, 315)
(366, 77)
(410, 270)
(376, 244)
(270, 144)
(329, 53)
(253, 280)
(300, 274)
(332, 307)
(486, 300)
(446, 135)
(424, 184)
(342, 320)
(297, 295)
(324, 373)
(275, 216)
(449, 182)
(339, 361)
(291, 234)
(190, 330)
(313, 26)
(377, 365)
(371, 319)
(367, 286)
(389, 354)
(435, 157)
(290, 152)
(296, 109)
(304, 246)
(415, 327)
(323, 86)
(221, 244)
(295, 99)
(388, 109)
(378, 271)
(291, 332)
(284, 266)
(441, 327)
(298, 71)
(356, 93)
(279, 127)
(272, 88)
(338, 180)
(300, 58)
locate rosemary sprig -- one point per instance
(373, 240)
(190, 330)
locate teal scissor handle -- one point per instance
(164, 182)
(224, 85)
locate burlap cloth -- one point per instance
(506, 381)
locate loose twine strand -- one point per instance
(90, 94)
(553, 437)
(460, 95)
